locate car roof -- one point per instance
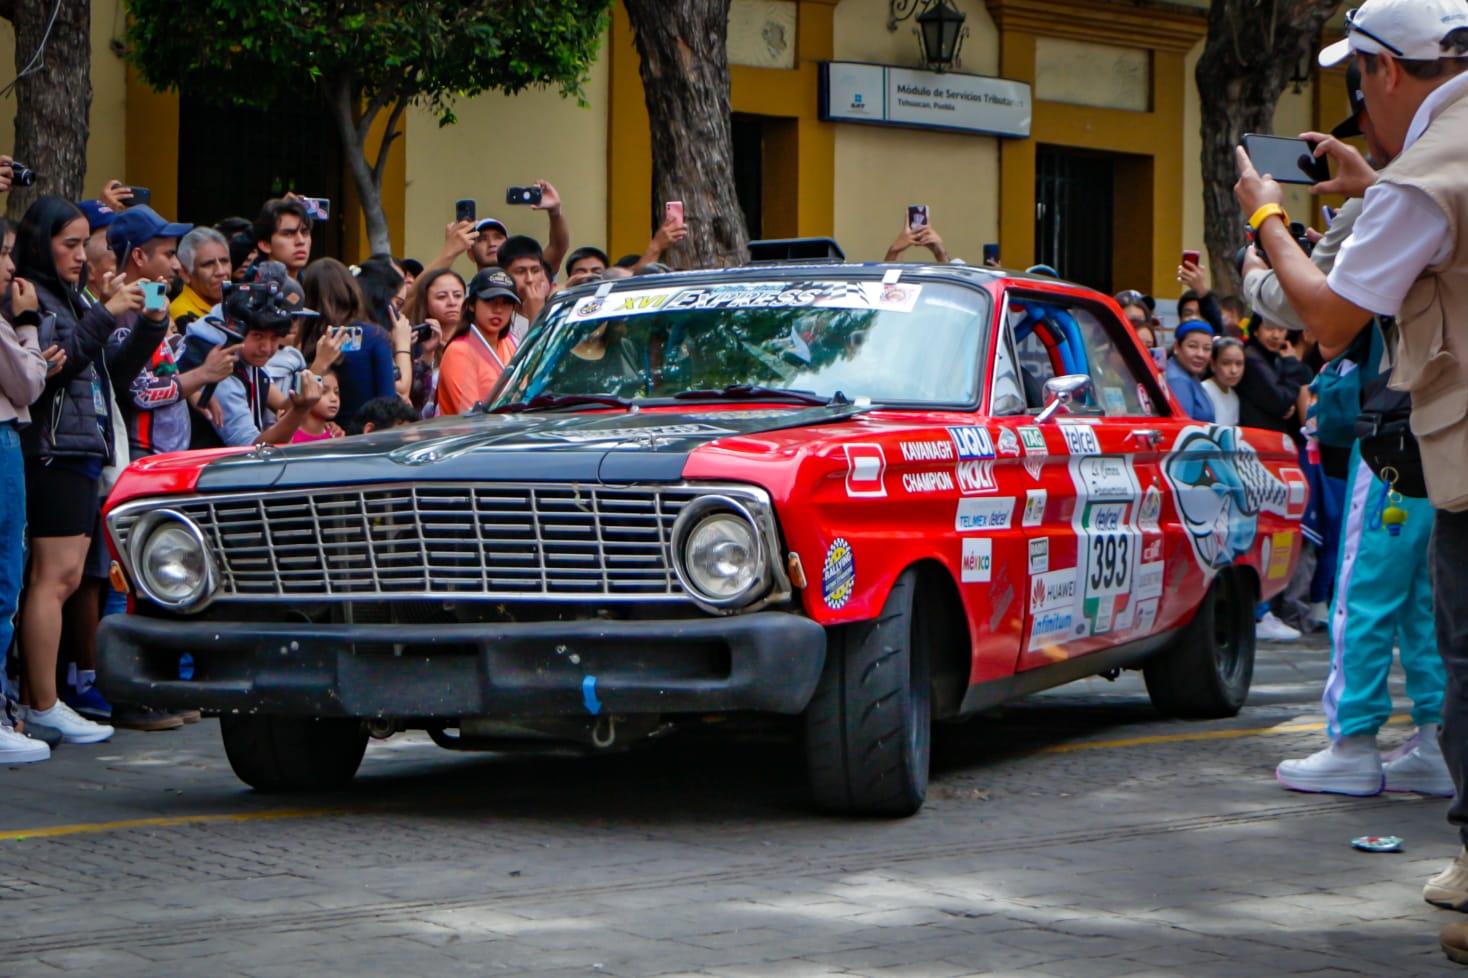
(764, 271)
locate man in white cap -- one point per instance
(1408, 258)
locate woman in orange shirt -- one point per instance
(481, 346)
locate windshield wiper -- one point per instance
(753, 392)
(551, 401)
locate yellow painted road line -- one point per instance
(1201, 735)
(52, 831)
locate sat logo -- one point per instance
(866, 466)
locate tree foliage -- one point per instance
(364, 60)
(1252, 50)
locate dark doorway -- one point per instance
(1074, 232)
(749, 171)
(232, 160)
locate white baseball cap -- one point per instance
(1409, 30)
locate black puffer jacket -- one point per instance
(70, 420)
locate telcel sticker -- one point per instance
(838, 574)
(978, 559)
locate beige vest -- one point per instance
(1432, 350)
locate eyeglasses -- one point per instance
(1351, 25)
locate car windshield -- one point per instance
(825, 339)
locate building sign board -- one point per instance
(852, 92)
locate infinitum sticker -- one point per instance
(838, 574)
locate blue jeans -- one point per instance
(12, 531)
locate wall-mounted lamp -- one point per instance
(940, 29)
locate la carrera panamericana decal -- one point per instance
(1220, 488)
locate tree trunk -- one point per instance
(352, 133)
(685, 78)
(1251, 52)
(52, 101)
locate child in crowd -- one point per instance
(1225, 371)
(318, 424)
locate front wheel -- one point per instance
(271, 753)
(868, 727)
(1205, 673)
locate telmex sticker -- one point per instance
(865, 467)
(978, 559)
(983, 514)
(751, 295)
(838, 574)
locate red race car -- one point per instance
(872, 496)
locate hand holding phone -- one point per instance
(673, 213)
(917, 216)
(141, 196)
(353, 339)
(465, 210)
(991, 254)
(155, 296)
(531, 195)
(1286, 160)
(1192, 258)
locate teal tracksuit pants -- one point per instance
(1383, 598)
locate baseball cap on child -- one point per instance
(1409, 30)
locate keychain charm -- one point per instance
(1394, 515)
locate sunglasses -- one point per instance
(1352, 26)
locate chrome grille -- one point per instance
(437, 540)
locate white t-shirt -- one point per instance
(1400, 232)
(1225, 402)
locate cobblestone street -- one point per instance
(1075, 834)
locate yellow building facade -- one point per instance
(1112, 86)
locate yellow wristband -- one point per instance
(1265, 213)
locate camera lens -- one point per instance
(22, 175)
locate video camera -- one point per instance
(249, 306)
(1297, 231)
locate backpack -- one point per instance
(1384, 429)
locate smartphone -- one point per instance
(354, 339)
(141, 197)
(1287, 160)
(1327, 214)
(298, 380)
(318, 207)
(1192, 257)
(673, 211)
(991, 252)
(465, 210)
(155, 295)
(423, 331)
(917, 216)
(523, 195)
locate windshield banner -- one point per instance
(895, 297)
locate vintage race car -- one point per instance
(871, 496)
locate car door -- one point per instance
(1093, 514)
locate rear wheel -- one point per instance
(868, 727)
(1205, 673)
(293, 753)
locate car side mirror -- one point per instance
(1060, 393)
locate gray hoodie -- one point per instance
(22, 372)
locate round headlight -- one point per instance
(722, 556)
(171, 562)
(719, 553)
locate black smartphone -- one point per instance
(991, 252)
(523, 195)
(422, 331)
(464, 210)
(141, 197)
(1287, 160)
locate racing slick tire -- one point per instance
(273, 753)
(868, 727)
(1205, 672)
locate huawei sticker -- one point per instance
(838, 574)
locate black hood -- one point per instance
(601, 447)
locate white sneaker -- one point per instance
(1418, 765)
(1450, 887)
(17, 748)
(1271, 629)
(75, 729)
(1349, 766)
